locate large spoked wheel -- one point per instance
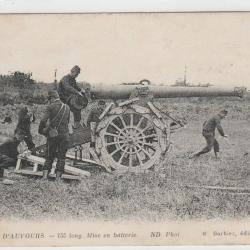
(131, 142)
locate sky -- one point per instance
(115, 48)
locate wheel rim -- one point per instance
(131, 142)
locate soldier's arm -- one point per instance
(68, 88)
(219, 127)
(76, 86)
(90, 118)
(43, 128)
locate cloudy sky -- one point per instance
(114, 48)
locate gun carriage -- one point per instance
(133, 135)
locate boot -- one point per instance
(59, 175)
(45, 174)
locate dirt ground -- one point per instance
(168, 194)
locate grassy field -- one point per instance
(155, 196)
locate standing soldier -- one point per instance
(23, 127)
(208, 132)
(71, 94)
(54, 125)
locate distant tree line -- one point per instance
(17, 79)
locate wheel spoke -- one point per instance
(131, 120)
(148, 136)
(121, 141)
(112, 143)
(116, 127)
(123, 122)
(130, 158)
(147, 127)
(123, 154)
(114, 152)
(140, 121)
(150, 145)
(139, 157)
(110, 134)
(145, 152)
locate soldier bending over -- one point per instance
(208, 132)
(54, 125)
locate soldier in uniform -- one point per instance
(208, 132)
(69, 91)
(54, 125)
(23, 127)
(8, 156)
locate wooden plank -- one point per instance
(70, 177)
(18, 164)
(106, 110)
(28, 172)
(76, 171)
(39, 160)
(94, 155)
(121, 104)
(40, 173)
(83, 160)
(154, 110)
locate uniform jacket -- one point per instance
(9, 148)
(24, 121)
(50, 113)
(211, 124)
(67, 87)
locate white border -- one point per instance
(97, 6)
(79, 6)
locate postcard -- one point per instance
(124, 129)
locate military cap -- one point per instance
(52, 94)
(76, 68)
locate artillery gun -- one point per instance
(133, 135)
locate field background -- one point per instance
(155, 196)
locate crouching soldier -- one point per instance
(8, 156)
(23, 127)
(54, 125)
(208, 133)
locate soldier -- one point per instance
(23, 127)
(96, 112)
(208, 132)
(93, 118)
(54, 125)
(8, 156)
(70, 92)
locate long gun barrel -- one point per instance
(103, 91)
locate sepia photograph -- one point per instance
(124, 129)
